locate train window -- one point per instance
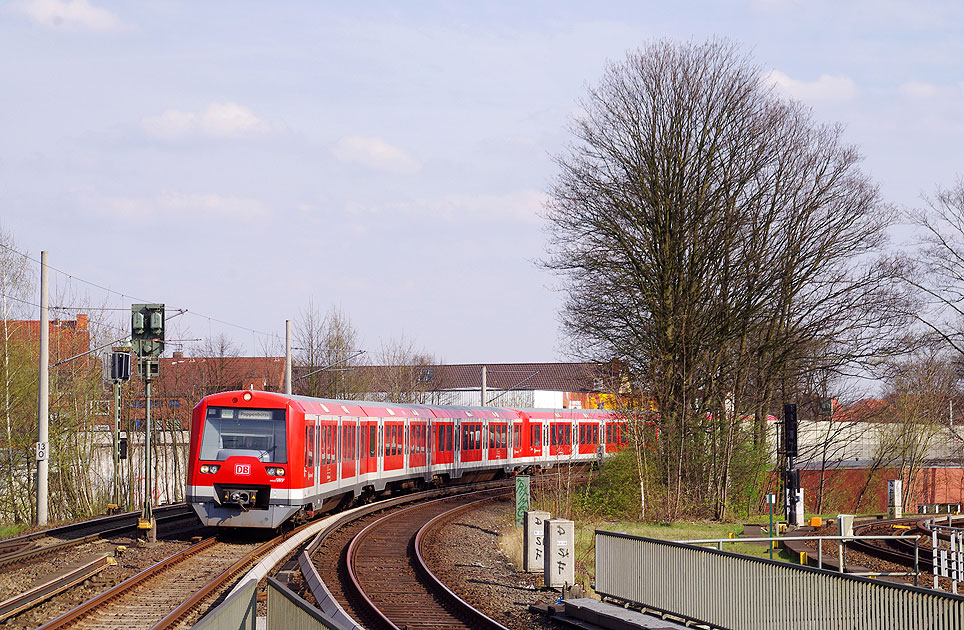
(333, 444)
(309, 441)
(252, 432)
(595, 434)
(372, 441)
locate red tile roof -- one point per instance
(563, 377)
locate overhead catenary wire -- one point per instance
(70, 276)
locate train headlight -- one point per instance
(247, 396)
(209, 468)
(277, 472)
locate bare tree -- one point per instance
(721, 243)
(919, 390)
(327, 355)
(398, 376)
(16, 285)
(938, 272)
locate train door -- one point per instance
(429, 443)
(457, 449)
(329, 443)
(368, 444)
(309, 453)
(349, 430)
(517, 448)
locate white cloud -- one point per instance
(75, 14)
(219, 120)
(175, 206)
(521, 206)
(918, 90)
(375, 153)
(774, 6)
(826, 88)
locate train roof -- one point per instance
(336, 407)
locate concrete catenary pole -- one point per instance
(288, 356)
(42, 408)
(483, 387)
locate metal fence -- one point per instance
(237, 612)
(727, 590)
(287, 611)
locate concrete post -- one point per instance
(288, 357)
(895, 498)
(798, 506)
(522, 498)
(559, 569)
(483, 394)
(42, 402)
(845, 524)
(533, 539)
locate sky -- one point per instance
(242, 160)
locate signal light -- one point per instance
(790, 430)
(147, 329)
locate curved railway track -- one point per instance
(899, 551)
(324, 565)
(389, 576)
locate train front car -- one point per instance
(242, 470)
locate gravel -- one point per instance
(467, 557)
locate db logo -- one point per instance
(242, 469)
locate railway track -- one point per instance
(155, 597)
(15, 551)
(324, 561)
(39, 567)
(899, 551)
(386, 569)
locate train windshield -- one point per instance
(252, 432)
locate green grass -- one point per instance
(7, 531)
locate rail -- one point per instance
(728, 590)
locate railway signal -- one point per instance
(790, 430)
(117, 369)
(792, 481)
(147, 339)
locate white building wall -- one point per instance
(547, 400)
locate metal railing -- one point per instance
(238, 612)
(287, 611)
(728, 590)
(947, 563)
(841, 552)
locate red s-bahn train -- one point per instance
(258, 458)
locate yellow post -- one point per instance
(803, 557)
